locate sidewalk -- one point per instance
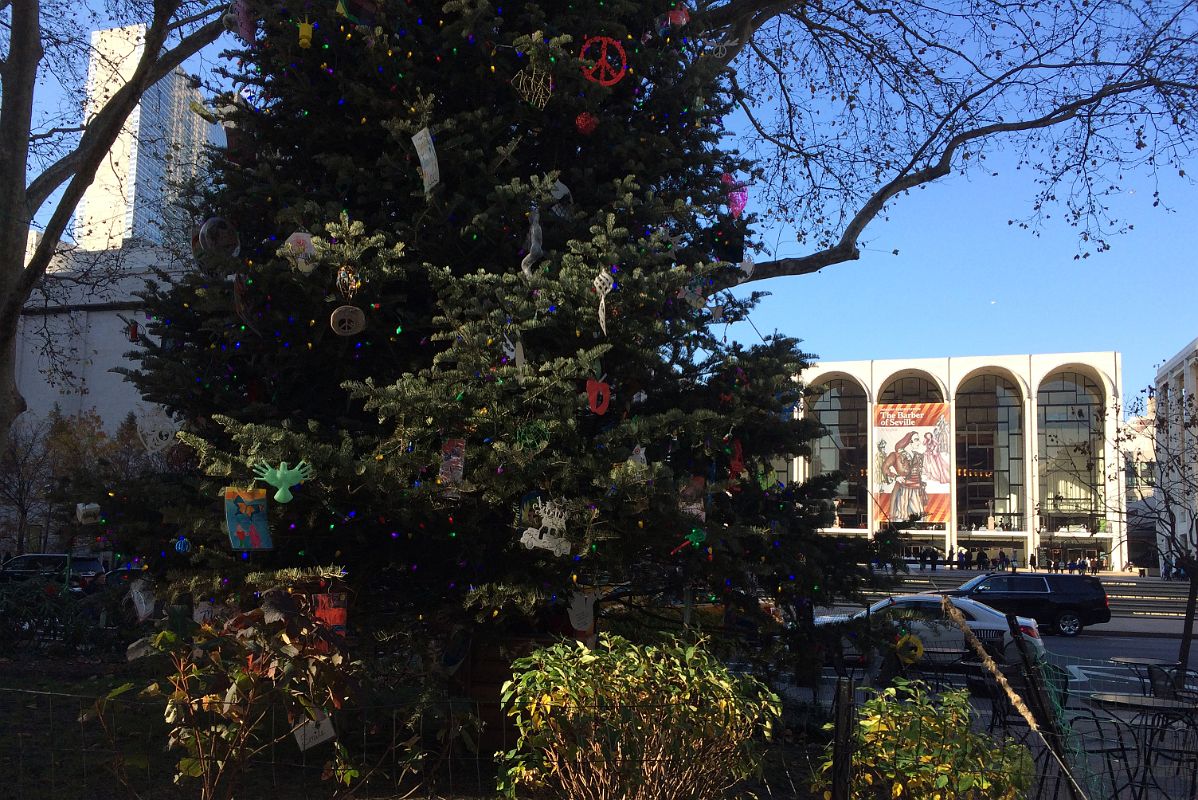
(1139, 625)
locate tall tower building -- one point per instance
(161, 147)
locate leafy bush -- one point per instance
(634, 722)
(46, 613)
(911, 745)
(226, 681)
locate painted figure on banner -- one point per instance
(935, 461)
(906, 466)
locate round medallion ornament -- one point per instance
(182, 545)
(347, 321)
(218, 237)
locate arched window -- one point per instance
(1071, 415)
(989, 446)
(840, 406)
(911, 389)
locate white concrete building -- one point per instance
(134, 195)
(1177, 455)
(80, 324)
(1012, 452)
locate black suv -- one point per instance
(1066, 602)
(52, 567)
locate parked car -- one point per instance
(53, 567)
(1065, 602)
(942, 642)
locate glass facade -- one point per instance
(990, 462)
(912, 389)
(1070, 450)
(840, 406)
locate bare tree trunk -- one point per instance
(1187, 629)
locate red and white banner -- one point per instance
(912, 472)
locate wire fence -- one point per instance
(54, 744)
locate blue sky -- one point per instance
(966, 283)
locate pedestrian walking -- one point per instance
(923, 559)
(934, 557)
(1031, 560)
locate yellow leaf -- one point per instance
(897, 791)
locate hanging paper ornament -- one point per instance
(534, 243)
(679, 16)
(586, 123)
(87, 513)
(453, 462)
(717, 313)
(745, 268)
(639, 398)
(603, 283)
(182, 545)
(332, 608)
(347, 320)
(638, 456)
(550, 534)
(598, 395)
(514, 352)
(735, 194)
(430, 169)
(301, 252)
(562, 199)
(306, 30)
(283, 478)
(218, 238)
(534, 86)
(609, 62)
(132, 332)
(245, 519)
(582, 615)
(156, 430)
(691, 497)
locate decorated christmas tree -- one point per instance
(470, 264)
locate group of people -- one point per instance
(979, 559)
(1081, 566)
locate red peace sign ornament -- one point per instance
(610, 60)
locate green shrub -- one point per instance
(634, 722)
(228, 679)
(911, 745)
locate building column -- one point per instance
(871, 516)
(950, 527)
(1031, 471)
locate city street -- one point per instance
(1094, 645)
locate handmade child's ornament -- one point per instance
(312, 732)
(283, 478)
(430, 170)
(245, 519)
(513, 351)
(582, 615)
(638, 456)
(562, 199)
(534, 86)
(598, 395)
(609, 62)
(550, 533)
(306, 29)
(347, 320)
(156, 430)
(332, 609)
(453, 462)
(735, 194)
(534, 243)
(745, 268)
(695, 538)
(301, 252)
(603, 283)
(691, 498)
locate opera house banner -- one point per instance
(912, 476)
